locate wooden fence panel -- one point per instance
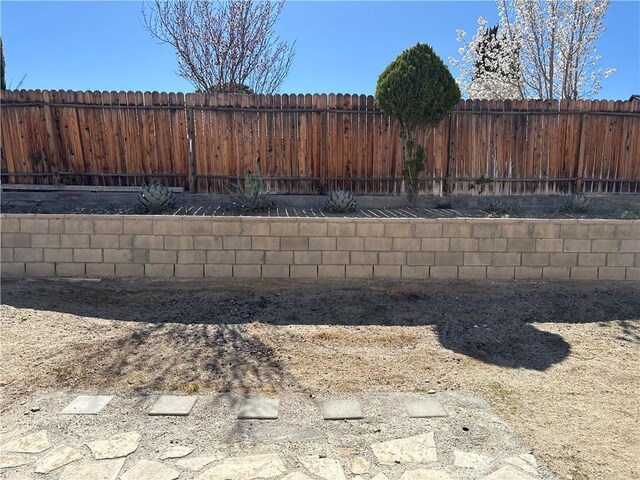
(314, 143)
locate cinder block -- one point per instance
(28, 254)
(221, 256)
(189, 271)
(528, 272)
(183, 242)
(540, 259)
(574, 230)
(584, 273)
(392, 258)
(563, 259)
(144, 241)
(236, 243)
(22, 240)
(335, 258)
(472, 273)
(406, 244)
(493, 245)
(77, 240)
(435, 244)
(57, 255)
(457, 229)
(399, 230)
(475, 258)
(129, 270)
(592, 259)
(70, 269)
(370, 228)
(163, 256)
(201, 226)
(100, 269)
(556, 273)
(549, 245)
(630, 246)
(192, 256)
(164, 270)
(506, 259)
(256, 227)
(78, 225)
(218, 271)
(602, 230)
(612, 273)
(463, 245)
(167, 226)
(428, 229)
(110, 226)
(350, 243)
(359, 271)
(577, 245)
(322, 243)
(605, 246)
(545, 230)
(517, 230)
(275, 271)
(364, 258)
(11, 269)
(628, 229)
(117, 255)
(521, 245)
(307, 258)
(247, 271)
(500, 273)
(34, 225)
(6, 254)
(265, 243)
(104, 241)
(620, 259)
(303, 271)
(487, 230)
(56, 225)
(331, 271)
(377, 244)
(633, 273)
(45, 240)
(226, 228)
(250, 257)
(294, 243)
(10, 225)
(313, 229)
(449, 259)
(207, 243)
(341, 229)
(41, 269)
(284, 229)
(277, 258)
(443, 272)
(411, 271)
(387, 271)
(137, 226)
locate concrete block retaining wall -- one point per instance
(252, 247)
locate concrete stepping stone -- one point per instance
(196, 464)
(149, 470)
(424, 408)
(12, 460)
(177, 451)
(56, 458)
(327, 468)
(33, 443)
(422, 474)
(246, 468)
(173, 405)
(416, 449)
(471, 460)
(296, 476)
(100, 470)
(527, 457)
(522, 464)
(360, 465)
(347, 409)
(259, 409)
(509, 473)
(87, 404)
(119, 445)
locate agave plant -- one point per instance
(156, 198)
(340, 201)
(249, 195)
(578, 203)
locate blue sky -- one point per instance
(341, 47)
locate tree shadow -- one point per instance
(210, 324)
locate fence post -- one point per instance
(323, 154)
(192, 144)
(453, 127)
(580, 166)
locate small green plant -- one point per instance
(578, 203)
(496, 208)
(249, 196)
(156, 198)
(340, 201)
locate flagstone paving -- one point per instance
(211, 443)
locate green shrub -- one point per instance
(249, 196)
(416, 89)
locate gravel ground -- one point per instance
(557, 361)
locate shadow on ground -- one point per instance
(210, 323)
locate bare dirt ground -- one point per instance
(559, 361)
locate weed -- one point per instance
(500, 391)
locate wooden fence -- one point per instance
(314, 143)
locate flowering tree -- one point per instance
(554, 43)
(227, 46)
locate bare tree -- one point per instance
(227, 46)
